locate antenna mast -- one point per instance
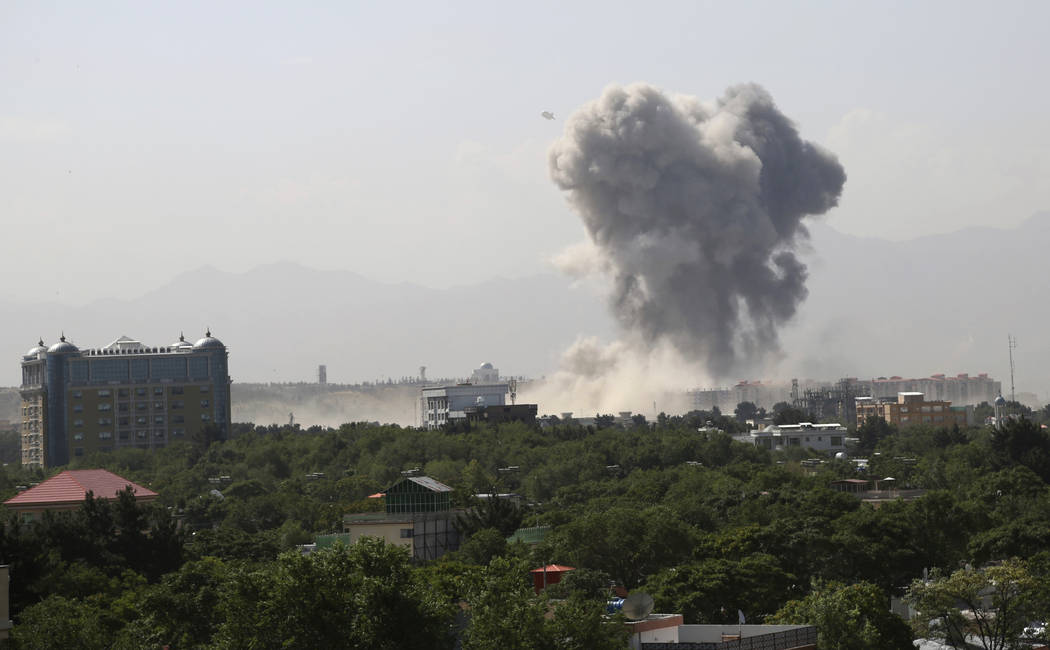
(1013, 344)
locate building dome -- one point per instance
(208, 342)
(1000, 401)
(181, 343)
(485, 366)
(38, 350)
(63, 347)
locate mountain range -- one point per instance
(942, 303)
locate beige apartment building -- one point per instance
(911, 408)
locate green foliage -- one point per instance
(504, 613)
(714, 589)
(706, 524)
(362, 596)
(848, 617)
(999, 599)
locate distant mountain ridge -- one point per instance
(941, 303)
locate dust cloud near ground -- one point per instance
(325, 405)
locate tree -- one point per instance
(872, 431)
(712, 590)
(848, 617)
(745, 411)
(1000, 600)
(362, 596)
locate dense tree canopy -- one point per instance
(676, 507)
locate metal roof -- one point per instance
(429, 483)
(71, 486)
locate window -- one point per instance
(105, 406)
(141, 392)
(836, 441)
(168, 368)
(78, 408)
(79, 451)
(77, 394)
(177, 419)
(105, 435)
(78, 423)
(159, 419)
(159, 390)
(205, 389)
(158, 406)
(122, 392)
(205, 417)
(79, 435)
(158, 434)
(122, 407)
(105, 421)
(123, 435)
(142, 419)
(141, 406)
(177, 404)
(178, 432)
(142, 435)
(406, 533)
(176, 390)
(204, 403)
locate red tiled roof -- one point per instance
(554, 568)
(71, 486)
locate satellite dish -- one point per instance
(637, 606)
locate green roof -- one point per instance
(326, 541)
(531, 535)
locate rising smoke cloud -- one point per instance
(694, 212)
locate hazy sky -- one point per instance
(138, 140)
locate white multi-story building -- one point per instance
(485, 374)
(440, 405)
(820, 437)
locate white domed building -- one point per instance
(485, 374)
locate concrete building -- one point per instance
(485, 374)
(67, 491)
(911, 408)
(667, 632)
(125, 394)
(439, 405)
(828, 438)
(417, 515)
(960, 389)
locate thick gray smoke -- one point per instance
(695, 211)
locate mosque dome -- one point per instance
(37, 351)
(181, 343)
(1000, 401)
(208, 342)
(63, 347)
(485, 366)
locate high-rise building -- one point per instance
(125, 394)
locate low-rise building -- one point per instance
(440, 405)
(911, 408)
(667, 632)
(417, 515)
(805, 435)
(67, 491)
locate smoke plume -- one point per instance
(694, 211)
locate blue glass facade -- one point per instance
(108, 385)
(57, 443)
